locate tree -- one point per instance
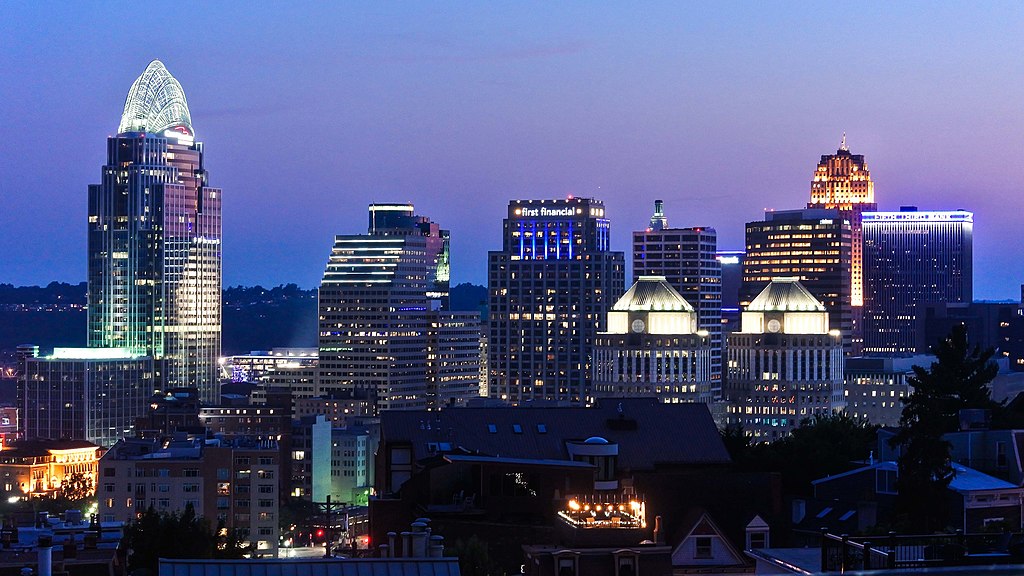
(957, 380)
(76, 486)
(820, 446)
(156, 535)
(474, 557)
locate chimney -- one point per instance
(392, 551)
(419, 540)
(436, 546)
(406, 544)
(659, 536)
(45, 556)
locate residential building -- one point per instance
(653, 347)
(813, 245)
(687, 258)
(234, 481)
(911, 258)
(785, 364)
(92, 394)
(341, 463)
(550, 286)
(154, 238)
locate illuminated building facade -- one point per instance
(686, 257)
(453, 358)
(40, 467)
(784, 365)
(813, 245)
(92, 394)
(549, 289)
(842, 181)
(376, 297)
(912, 258)
(652, 347)
(155, 241)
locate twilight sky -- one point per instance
(308, 114)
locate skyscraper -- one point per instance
(813, 245)
(842, 181)
(784, 365)
(686, 257)
(549, 288)
(912, 258)
(384, 328)
(155, 240)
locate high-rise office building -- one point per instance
(377, 296)
(550, 286)
(686, 257)
(784, 365)
(92, 394)
(155, 241)
(813, 245)
(843, 182)
(453, 358)
(731, 262)
(912, 258)
(653, 347)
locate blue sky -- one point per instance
(310, 112)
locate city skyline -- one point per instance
(624, 106)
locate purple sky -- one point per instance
(308, 114)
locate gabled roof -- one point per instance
(640, 427)
(699, 523)
(652, 294)
(785, 295)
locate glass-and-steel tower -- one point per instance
(155, 240)
(912, 258)
(550, 287)
(385, 328)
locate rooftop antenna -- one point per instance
(843, 146)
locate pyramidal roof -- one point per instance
(785, 295)
(652, 294)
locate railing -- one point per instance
(842, 553)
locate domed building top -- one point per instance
(652, 294)
(156, 103)
(785, 295)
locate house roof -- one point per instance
(964, 479)
(785, 295)
(638, 425)
(652, 294)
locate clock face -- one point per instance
(773, 326)
(638, 325)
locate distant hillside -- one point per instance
(470, 297)
(255, 318)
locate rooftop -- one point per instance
(652, 294)
(637, 425)
(785, 294)
(156, 103)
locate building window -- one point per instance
(757, 540)
(702, 547)
(109, 472)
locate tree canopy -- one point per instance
(156, 535)
(958, 379)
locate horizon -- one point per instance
(309, 115)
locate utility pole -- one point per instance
(329, 510)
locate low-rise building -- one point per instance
(875, 387)
(235, 481)
(41, 467)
